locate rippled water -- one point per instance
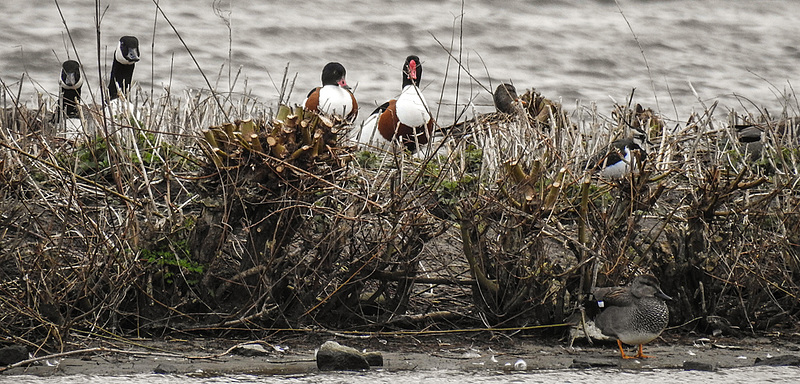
(737, 375)
(572, 50)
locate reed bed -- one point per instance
(209, 214)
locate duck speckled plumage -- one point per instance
(635, 314)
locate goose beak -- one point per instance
(133, 55)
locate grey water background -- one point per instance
(742, 53)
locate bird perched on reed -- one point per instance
(620, 158)
(634, 314)
(334, 96)
(125, 58)
(405, 120)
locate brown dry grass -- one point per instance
(143, 230)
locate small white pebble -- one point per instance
(742, 357)
(520, 365)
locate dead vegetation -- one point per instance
(181, 221)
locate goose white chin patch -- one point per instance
(121, 58)
(76, 86)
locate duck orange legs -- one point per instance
(639, 355)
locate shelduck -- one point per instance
(405, 120)
(334, 96)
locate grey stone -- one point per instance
(699, 366)
(779, 360)
(333, 356)
(165, 368)
(12, 354)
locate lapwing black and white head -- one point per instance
(405, 120)
(125, 58)
(334, 96)
(620, 158)
(71, 82)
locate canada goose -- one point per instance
(69, 100)
(71, 83)
(125, 58)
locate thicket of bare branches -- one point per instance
(165, 222)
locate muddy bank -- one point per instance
(296, 356)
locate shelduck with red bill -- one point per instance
(334, 96)
(405, 120)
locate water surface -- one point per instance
(588, 376)
(733, 51)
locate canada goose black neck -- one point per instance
(125, 58)
(71, 83)
(412, 71)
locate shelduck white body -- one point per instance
(334, 96)
(405, 120)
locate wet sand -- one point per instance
(422, 353)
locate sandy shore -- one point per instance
(428, 353)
